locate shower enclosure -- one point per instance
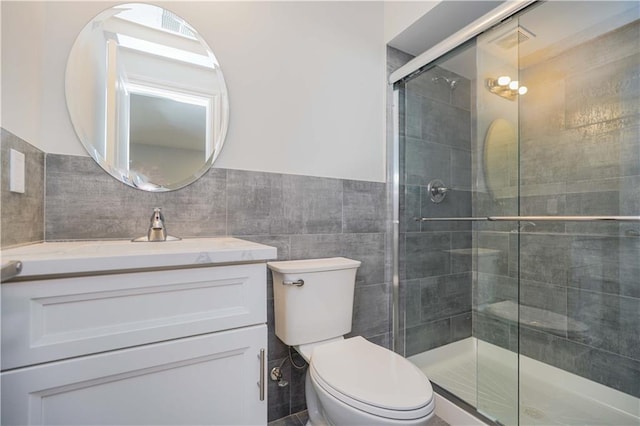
(518, 194)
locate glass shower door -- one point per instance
(579, 126)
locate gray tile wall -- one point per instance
(22, 214)
(579, 155)
(304, 217)
(435, 268)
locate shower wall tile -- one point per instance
(446, 124)
(430, 84)
(461, 326)
(461, 253)
(411, 302)
(413, 122)
(491, 329)
(427, 254)
(495, 288)
(552, 204)
(455, 204)
(433, 254)
(22, 214)
(495, 261)
(630, 327)
(544, 257)
(601, 313)
(427, 336)
(603, 93)
(426, 161)
(549, 298)
(605, 264)
(410, 205)
(461, 178)
(604, 367)
(445, 296)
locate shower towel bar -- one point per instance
(532, 219)
(450, 219)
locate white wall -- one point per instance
(399, 15)
(305, 80)
(22, 68)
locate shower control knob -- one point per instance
(437, 190)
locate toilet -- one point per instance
(349, 381)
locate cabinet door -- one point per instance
(211, 379)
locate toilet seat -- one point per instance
(372, 379)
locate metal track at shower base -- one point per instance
(464, 405)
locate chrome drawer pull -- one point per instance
(261, 383)
(297, 283)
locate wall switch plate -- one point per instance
(16, 167)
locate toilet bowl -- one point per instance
(356, 382)
(349, 381)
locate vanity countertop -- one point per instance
(80, 257)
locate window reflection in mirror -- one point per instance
(146, 97)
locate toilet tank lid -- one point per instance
(313, 265)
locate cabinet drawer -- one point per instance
(203, 380)
(62, 318)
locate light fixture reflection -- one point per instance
(505, 87)
(504, 80)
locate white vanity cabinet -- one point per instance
(154, 347)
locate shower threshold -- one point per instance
(485, 376)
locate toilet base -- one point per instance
(325, 410)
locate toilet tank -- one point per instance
(319, 309)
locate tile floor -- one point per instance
(300, 419)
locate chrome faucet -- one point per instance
(157, 230)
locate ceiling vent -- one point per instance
(513, 38)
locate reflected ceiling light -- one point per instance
(505, 87)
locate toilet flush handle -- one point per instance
(297, 283)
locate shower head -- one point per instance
(451, 82)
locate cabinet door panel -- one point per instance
(54, 319)
(209, 379)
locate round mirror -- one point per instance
(147, 97)
(501, 159)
